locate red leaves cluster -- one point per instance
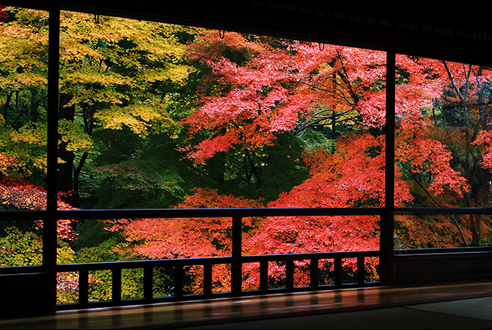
(188, 237)
(3, 13)
(6, 162)
(333, 183)
(252, 101)
(24, 195)
(269, 89)
(274, 88)
(485, 139)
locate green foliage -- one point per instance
(263, 173)
(91, 233)
(100, 286)
(101, 280)
(138, 173)
(20, 249)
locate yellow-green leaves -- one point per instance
(23, 53)
(27, 145)
(74, 136)
(138, 117)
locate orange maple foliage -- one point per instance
(275, 88)
(190, 237)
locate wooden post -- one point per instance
(207, 279)
(83, 286)
(314, 273)
(264, 275)
(387, 220)
(148, 282)
(338, 271)
(50, 221)
(236, 267)
(116, 284)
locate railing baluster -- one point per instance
(207, 279)
(236, 262)
(148, 282)
(116, 284)
(360, 270)
(314, 273)
(264, 275)
(236, 267)
(338, 271)
(236, 277)
(289, 274)
(83, 286)
(178, 281)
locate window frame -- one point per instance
(52, 214)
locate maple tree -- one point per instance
(467, 99)
(455, 117)
(114, 74)
(110, 69)
(23, 91)
(255, 92)
(289, 88)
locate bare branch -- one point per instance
(452, 81)
(463, 238)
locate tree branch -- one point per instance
(438, 204)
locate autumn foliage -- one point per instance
(23, 195)
(160, 115)
(3, 14)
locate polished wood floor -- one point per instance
(287, 309)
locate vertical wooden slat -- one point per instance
(360, 270)
(264, 275)
(338, 271)
(314, 273)
(207, 279)
(236, 277)
(387, 220)
(49, 222)
(83, 286)
(116, 284)
(178, 281)
(236, 267)
(148, 282)
(289, 274)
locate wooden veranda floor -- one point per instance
(433, 306)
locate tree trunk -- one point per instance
(216, 167)
(65, 166)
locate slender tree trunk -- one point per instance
(482, 199)
(76, 174)
(216, 167)
(477, 177)
(333, 130)
(65, 167)
(6, 109)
